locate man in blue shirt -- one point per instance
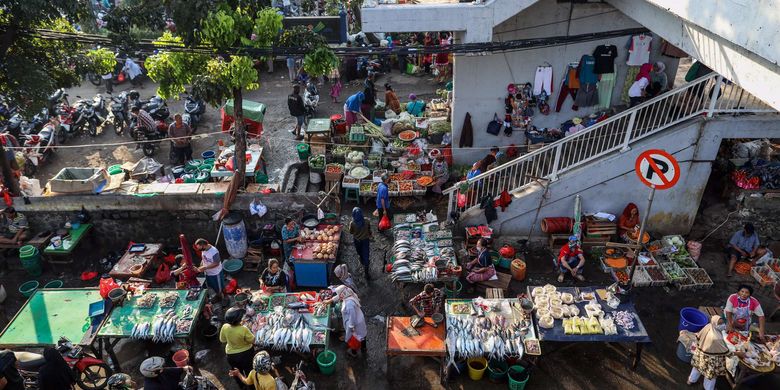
(383, 198)
(743, 245)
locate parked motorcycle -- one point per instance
(39, 147)
(156, 106)
(91, 372)
(117, 117)
(311, 99)
(194, 107)
(149, 139)
(85, 117)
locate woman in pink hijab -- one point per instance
(636, 94)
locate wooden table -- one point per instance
(122, 268)
(317, 126)
(69, 244)
(430, 342)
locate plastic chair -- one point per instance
(351, 194)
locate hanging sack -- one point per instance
(384, 223)
(163, 274)
(494, 127)
(353, 343)
(461, 200)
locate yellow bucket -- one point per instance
(477, 367)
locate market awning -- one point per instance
(252, 110)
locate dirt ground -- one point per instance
(278, 142)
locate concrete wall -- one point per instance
(736, 38)
(611, 183)
(122, 218)
(480, 81)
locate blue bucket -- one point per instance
(208, 154)
(692, 319)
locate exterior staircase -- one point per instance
(612, 136)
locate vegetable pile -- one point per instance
(317, 162)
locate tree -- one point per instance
(102, 60)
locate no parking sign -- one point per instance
(657, 169)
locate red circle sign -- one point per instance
(657, 169)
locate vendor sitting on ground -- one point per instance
(740, 308)
(629, 220)
(186, 272)
(13, 226)
(415, 107)
(273, 279)
(481, 268)
(430, 300)
(742, 246)
(571, 259)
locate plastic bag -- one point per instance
(384, 223)
(257, 208)
(163, 274)
(353, 343)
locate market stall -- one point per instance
(223, 164)
(136, 260)
(423, 251)
(586, 315)
(157, 315)
(314, 258)
(426, 340)
(61, 247)
(491, 328)
(294, 322)
(253, 112)
(74, 313)
(758, 359)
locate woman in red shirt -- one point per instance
(629, 220)
(186, 273)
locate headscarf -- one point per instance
(412, 96)
(344, 294)
(341, 271)
(357, 217)
(627, 210)
(661, 66)
(55, 372)
(711, 339)
(644, 72)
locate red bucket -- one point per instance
(181, 358)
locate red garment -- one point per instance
(626, 219)
(567, 252)
(503, 201)
(644, 71)
(189, 277)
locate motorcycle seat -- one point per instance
(29, 361)
(57, 95)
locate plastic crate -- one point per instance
(774, 264)
(350, 182)
(686, 283)
(670, 267)
(655, 282)
(357, 134)
(699, 271)
(641, 278)
(615, 270)
(604, 267)
(410, 192)
(755, 271)
(334, 176)
(666, 240)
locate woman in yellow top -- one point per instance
(259, 377)
(239, 342)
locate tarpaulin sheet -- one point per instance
(636, 335)
(252, 110)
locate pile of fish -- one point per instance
(163, 329)
(141, 331)
(283, 329)
(470, 336)
(418, 261)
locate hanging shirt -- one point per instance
(605, 58)
(639, 50)
(571, 78)
(587, 65)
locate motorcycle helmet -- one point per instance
(234, 315)
(262, 362)
(152, 366)
(120, 382)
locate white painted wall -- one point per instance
(736, 38)
(611, 183)
(480, 81)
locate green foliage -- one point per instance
(320, 62)
(300, 36)
(102, 60)
(173, 70)
(265, 30)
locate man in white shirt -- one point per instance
(211, 265)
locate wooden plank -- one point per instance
(214, 188)
(501, 283)
(182, 188)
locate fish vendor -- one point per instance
(291, 234)
(571, 259)
(211, 265)
(355, 329)
(273, 279)
(481, 268)
(427, 302)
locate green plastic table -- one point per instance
(50, 314)
(317, 126)
(76, 235)
(122, 319)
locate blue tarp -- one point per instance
(636, 335)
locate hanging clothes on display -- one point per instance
(630, 78)
(569, 86)
(639, 49)
(605, 87)
(543, 80)
(587, 95)
(605, 58)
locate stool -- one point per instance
(351, 194)
(494, 293)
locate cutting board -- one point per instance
(182, 188)
(153, 188)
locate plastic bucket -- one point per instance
(315, 177)
(28, 288)
(517, 268)
(181, 358)
(234, 231)
(303, 151)
(209, 331)
(31, 260)
(477, 367)
(692, 319)
(683, 354)
(208, 154)
(456, 290)
(53, 284)
(326, 360)
(27, 251)
(497, 370)
(518, 376)
(503, 262)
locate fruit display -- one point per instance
(325, 235)
(764, 275)
(655, 274)
(333, 168)
(407, 135)
(621, 276)
(405, 187)
(425, 181)
(699, 276)
(325, 250)
(365, 187)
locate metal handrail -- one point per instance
(615, 133)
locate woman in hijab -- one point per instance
(55, 374)
(629, 220)
(637, 92)
(659, 81)
(441, 171)
(709, 357)
(342, 272)
(391, 100)
(353, 319)
(361, 234)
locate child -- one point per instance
(335, 85)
